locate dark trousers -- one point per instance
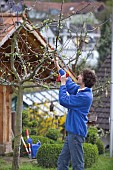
(72, 150)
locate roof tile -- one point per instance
(9, 22)
(103, 108)
(67, 8)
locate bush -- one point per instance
(100, 146)
(43, 140)
(92, 136)
(93, 129)
(25, 118)
(59, 141)
(53, 134)
(48, 154)
(90, 154)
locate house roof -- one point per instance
(68, 8)
(101, 103)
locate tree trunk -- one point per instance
(18, 130)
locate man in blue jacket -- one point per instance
(77, 98)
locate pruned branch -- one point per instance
(13, 58)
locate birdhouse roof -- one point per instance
(30, 41)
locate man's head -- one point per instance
(87, 78)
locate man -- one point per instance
(78, 101)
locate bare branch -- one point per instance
(12, 58)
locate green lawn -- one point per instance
(104, 163)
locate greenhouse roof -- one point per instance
(43, 100)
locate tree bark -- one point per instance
(18, 130)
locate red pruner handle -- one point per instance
(58, 77)
(67, 75)
(27, 133)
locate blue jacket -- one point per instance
(78, 105)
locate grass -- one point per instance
(104, 163)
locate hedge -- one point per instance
(90, 154)
(47, 155)
(100, 146)
(53, 134)
(43, 140)
(92, 136)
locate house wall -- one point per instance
(5, 120)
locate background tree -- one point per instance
(104, 44)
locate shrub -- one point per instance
(93, 129)
(92, 136)
(43, 140)
(59, 141)
(90, 154)
(100, 146)
(53, 134)
(25, 118)
(48, 154)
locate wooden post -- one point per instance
(5, 120)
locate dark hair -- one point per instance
(89, 77)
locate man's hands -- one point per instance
(57, 63)
(63, 79)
